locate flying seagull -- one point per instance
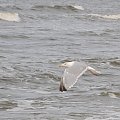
(73, 70)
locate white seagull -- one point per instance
(73, 70)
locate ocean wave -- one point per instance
(22, 105)
(50, 76)
(110, 94)
(78, 7)
(113, 17)
(6, 104)
(58, 7)
(9, 16)
(115, 63)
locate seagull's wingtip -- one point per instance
(62, 87)
(93, 71)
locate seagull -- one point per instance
(73, 71)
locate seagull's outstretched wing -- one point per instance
(72, 74)
(93, 71)
(69, 80)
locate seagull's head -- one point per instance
(67, 64)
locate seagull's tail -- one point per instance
(93, 71)
(62, 87)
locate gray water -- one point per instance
(49, 33)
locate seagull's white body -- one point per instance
(73, 70)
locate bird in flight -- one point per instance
(73, 71)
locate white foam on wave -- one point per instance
(78, 7)
(114, 17)
(9, 16)
(112, 95)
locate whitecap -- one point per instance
(113, 17)
(78, 7)
(112, 95)
(9, 16)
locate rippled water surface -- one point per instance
(36, 37)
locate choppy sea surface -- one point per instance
(36, 36)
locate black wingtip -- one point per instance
(62, 87)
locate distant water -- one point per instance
(36, 36)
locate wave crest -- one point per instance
(10, 16)
(110, 94)
(78, 7)
(113, 17)
(58, 7)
